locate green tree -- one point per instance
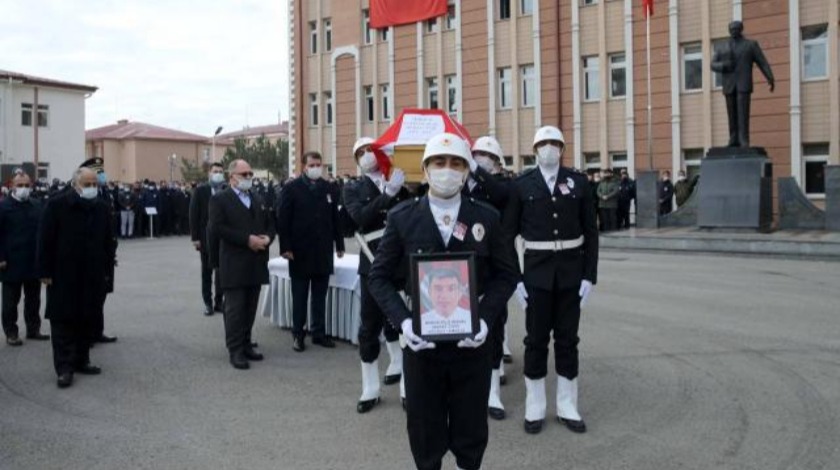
(261, 154)
(193, 172)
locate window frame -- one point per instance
(621, 66)
(592, 167)
(313, 37)
(814, 157)
(522, 4)
(432, 26)
(692, 158)
(450, 22)
(26, 114)
(621, 164)
(370, 103)
(314, 110)
(527, 79)
(327, 34)
(694, 57)
(367, 36)
(812, 42)
(432, 87)
(452, 87)
(328, 108)
(504, 10)
(385, 101)
(44, 110)
(717, 77)
(505, 87)
(590, 70)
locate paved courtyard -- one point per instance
(688, 361)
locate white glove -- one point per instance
(413, 341)
(521, 295)
(393, 185)
(585, 290)
(476, 342)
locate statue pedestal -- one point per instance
(736, 189)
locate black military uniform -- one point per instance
(561, 250)
(199, 215)
(106, 195)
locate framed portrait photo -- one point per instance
(444, 299)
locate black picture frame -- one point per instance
(425, 268)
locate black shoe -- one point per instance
(106, 339)
(533, 427)
(88, 369)
(574, 426)
(64, 380)
(37, 336)
(254, 345)
(496, 413)
(298, 344)
(239, 361)
(392, 379)
(208, 311)
(325, 342)
(502, 380)
(507, 358)
(14, 341)
(252, 355)
(367, 405)
(218, 308)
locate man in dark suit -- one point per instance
(735, 61)
(447, 383)
(307, 221)
(551, 207)
(108, 197)
(199, 216)
(76, 253)
(19, 218)
(243, 230)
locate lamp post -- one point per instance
(213, 146)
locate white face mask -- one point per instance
(217, 178)
(314, 172)
(548, 156)
(445, 182)
(21, 194)
(89, 193)
(485, 162)
(368, 163)
(244, 183)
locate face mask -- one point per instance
(217, 178)
(314, 172)
(485, 162)
(445, 182)
(367, 162)
(89, 193)
(245, 184)
(549, 156)
(102, 178)
(21, 194)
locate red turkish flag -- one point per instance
(648, 5)
(385, 13)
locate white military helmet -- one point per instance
(447, 144)
(490, 145)
(548, 133)
(361, 143)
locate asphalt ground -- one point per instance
(687, 362)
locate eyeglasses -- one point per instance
(246, 174)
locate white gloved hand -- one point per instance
(521, 295)
(585, 290)
(413, 341)
(478, 340)
(393, 185)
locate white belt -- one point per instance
(557, 245)
(373, 236)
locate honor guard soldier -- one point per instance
(368, 201)
(552, 208)
(448, 383)
(487, 183)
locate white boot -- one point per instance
(567, 404)
(535, 399)
(370, 387)
(494, 402)
(394, 371)
(505, 348)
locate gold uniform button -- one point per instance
(553, 199)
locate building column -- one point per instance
(421, 85)
(537, 31)
(708, 78)
(459, 66)
(515, 82)
(795, 93)
(630, 101)
(576, 106)
(491, 68)
(834, 81)
(676, 86)
(391, 86)
(337, 53)
(603, 121)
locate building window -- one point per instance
(815, 159)
(588, 2)
(504, 88)
(504, 9)
(313, 108)
(692, 67)
(367, 34)
(313, 37)
(815, 52)
(328, 102)
(43, 171)
(528, 161)
(618, 160)
(26, 114)
(384, 34)
(526, 7)
(529, 86)
(432, 93)
(592, 162)
(452, 95)
(691, 161)
(385, 95)
(432, 25)
(369, 108)
(718, 47)
(591, 79)
(618, 76)
(327, 35)
(450, 18)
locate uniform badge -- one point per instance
(570, 183)
(329, 199)
(460, 231)
(564, 189)
(478, 232)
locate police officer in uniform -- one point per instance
(447, 384)
(488, 183)
(368, 201)
(552, 208)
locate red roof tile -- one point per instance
(125, 130)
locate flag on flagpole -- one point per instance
(648, 5)
(385, 13)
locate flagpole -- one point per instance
(649, 100)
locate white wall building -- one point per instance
(41, 120)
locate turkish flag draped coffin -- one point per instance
(385, 13)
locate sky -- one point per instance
(190, 65)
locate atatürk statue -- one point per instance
(735, 61)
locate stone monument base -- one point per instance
(736, 189)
